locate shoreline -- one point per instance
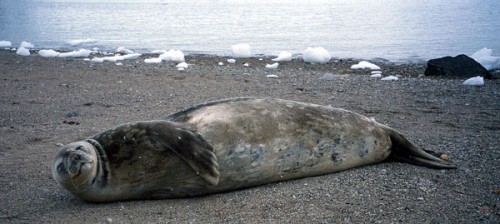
(227, 54)
(45, 102)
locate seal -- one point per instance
(225, 145)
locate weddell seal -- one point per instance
(226, 145)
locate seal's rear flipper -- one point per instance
(405, 151)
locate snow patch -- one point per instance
(231, 61)
(271, 76)
(376, 75)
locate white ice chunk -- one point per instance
(376, 75)
(241, 51)
(124, 50)
(182, 65)
(129, 56)
(231, 60)
(82, 53)
(26, 45)
(5, 43)
(272, 66)
(390, 78)
(365, 64)
(376, 72)
(80, 41)
(475, 81)
(48, 53)
(152, 60)
(246, 65)
(221, 63)
(173, 55)
(316, 55)
(115, 58)
(485, 58)
(283, 56)
(271, 76)
(23, 51)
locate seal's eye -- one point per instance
(81, 148)
(61, 168)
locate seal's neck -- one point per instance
(103, 167)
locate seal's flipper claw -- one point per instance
(189, 146)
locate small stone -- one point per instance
(444, 157)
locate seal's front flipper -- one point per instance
(187, 144)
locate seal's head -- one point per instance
(75, 166)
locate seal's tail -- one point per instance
(405, 151)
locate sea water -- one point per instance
(389, 29)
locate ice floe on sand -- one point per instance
(272, 66)
(23, 51)
(485, 58)
(390, 78)
(317, 55)
(24, 48)
(115, 58)
(283, 56)
(82, 53)
(474, 81)
(365, 65)
(182, 66)
(171, 55)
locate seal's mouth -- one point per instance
(80, 166)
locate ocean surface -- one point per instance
(390, 29)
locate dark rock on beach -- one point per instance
(460, 66)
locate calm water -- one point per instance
(391, 29)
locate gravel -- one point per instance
(46, 102)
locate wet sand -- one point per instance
(50, 101)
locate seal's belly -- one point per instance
(256, 145)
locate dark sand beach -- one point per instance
(45, 102)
